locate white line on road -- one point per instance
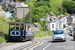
(46, 46)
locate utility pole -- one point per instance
(30, 14)
(23, 14)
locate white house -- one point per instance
(53, 24)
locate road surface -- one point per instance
(49, 45)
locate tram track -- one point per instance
(31, 47)
(28, 46)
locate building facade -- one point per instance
(18, 9)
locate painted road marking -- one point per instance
(46, 46)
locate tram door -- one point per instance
(29, 33)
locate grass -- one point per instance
(1, 10)
(3, 29)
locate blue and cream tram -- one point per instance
(20, 31)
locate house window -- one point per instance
(57, 24)
(52, 25)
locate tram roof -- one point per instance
(13, 23)
(29, 24)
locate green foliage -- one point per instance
(11, 18)
(39, 9)
(1, 40)
(27, 19)
(30, 3)
(56, 7)
(42, 33)
(41, 3)
(43, 24)
(69, 6)
(1, 10)
(66, 14)
(4, 26)
(64, 25)
(36, 14)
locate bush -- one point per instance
(4, 29)
(2, 39)
(64, 25)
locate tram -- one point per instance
(20, 31)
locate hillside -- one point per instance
(2, 12)
(56, 6)
(3, 28)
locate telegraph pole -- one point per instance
(23, 14)
(30, 14)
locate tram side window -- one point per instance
(28, 28)
(22, 27)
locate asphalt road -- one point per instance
(49, 45)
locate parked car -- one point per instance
(69, 28)
(53, 30)
(58, 35)
(70, 33)
(74, 35)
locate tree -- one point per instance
(37, 13)
(43, 24)
(27, 19)
(39, 9)
(69, 6)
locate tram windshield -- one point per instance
(16, 25)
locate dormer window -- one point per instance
(54, 18)
(50, 20)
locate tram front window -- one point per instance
(17, 27)
(12, 27)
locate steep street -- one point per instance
(49, 45)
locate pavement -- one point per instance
(16, 45)
(49, 45)
(27, 45)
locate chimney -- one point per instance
(10, 1)
(16, 1)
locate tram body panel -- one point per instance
(15, 34)
(29, 35)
